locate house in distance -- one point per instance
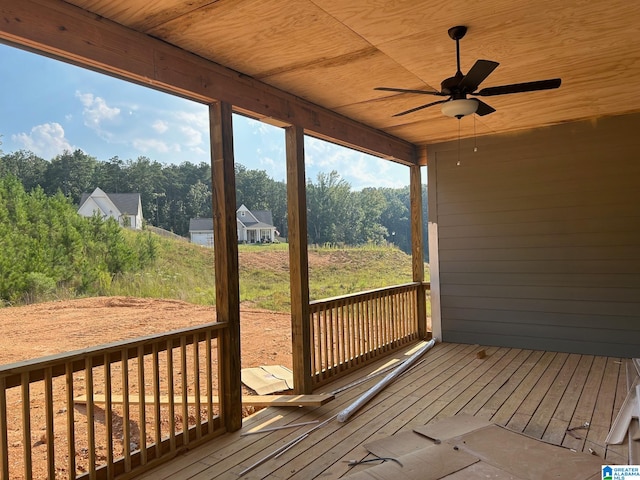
(253, 227)
(126, 208)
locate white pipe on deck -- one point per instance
(344, 415)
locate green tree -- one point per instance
(72, 173)
(329, 209)
(110, 176)
(199, 200)
(26, 166)
(368, 207)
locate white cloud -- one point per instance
(193, 136)
(96, 110)
(200, 152)
(199, 120)
(260, 128)
(147, 145)
(359, 169)
(160, 126)
(46, 140)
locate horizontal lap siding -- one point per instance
(539, 238)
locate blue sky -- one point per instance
(47, 106)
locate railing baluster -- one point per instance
(353, 332)
(393, 320)
(4, 440)
(333, 330)
(108, 414)
(156, 399)
(185, 405)
(208, 375)
(126, 412)
(314, 348)
(196, 385)
(344, 332)
(91, 420)
(26, 425)
(142, 407)
(405, 308)
(326, 340)
(50, 435)
(369, 345)
(171, 393)
(380, 322)
(71, 429)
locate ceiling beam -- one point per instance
(66, 32)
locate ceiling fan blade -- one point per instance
(480, 70)
(520, 87)
(420, 108)
(483, 108)
(404, 90)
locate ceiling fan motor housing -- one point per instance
(450, 85)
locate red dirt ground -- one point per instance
(48, 328)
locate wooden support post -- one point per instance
(417, 247)
(225, 246)
(298, 261)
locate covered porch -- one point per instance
(544, 395)
(533, 243)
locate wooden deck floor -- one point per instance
(539, 393)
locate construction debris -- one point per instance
(279, 451)
(373, 391)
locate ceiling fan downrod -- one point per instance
(457, 33)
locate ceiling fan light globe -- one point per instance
(460, 107)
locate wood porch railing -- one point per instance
(349, 331)
(148, 393)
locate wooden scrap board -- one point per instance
(267, 379)
(253, 400)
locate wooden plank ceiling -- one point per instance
(334, 52)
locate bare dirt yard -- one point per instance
(33, 331)
(42, 329)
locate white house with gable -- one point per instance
(253, 227)
(126, 208)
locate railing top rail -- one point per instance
(39, 364)
(369, 292)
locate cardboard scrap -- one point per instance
(397, 445)
(450, 427)
(430, 463)
(267, 379)
(526, 457)
(488, 451)
(481, 470)
(424, 435)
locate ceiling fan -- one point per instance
(459, 86)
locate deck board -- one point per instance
(540, 393)
(561, 418)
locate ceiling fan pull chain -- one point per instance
(458, 162)
(475, 138)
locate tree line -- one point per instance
(172, 194)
